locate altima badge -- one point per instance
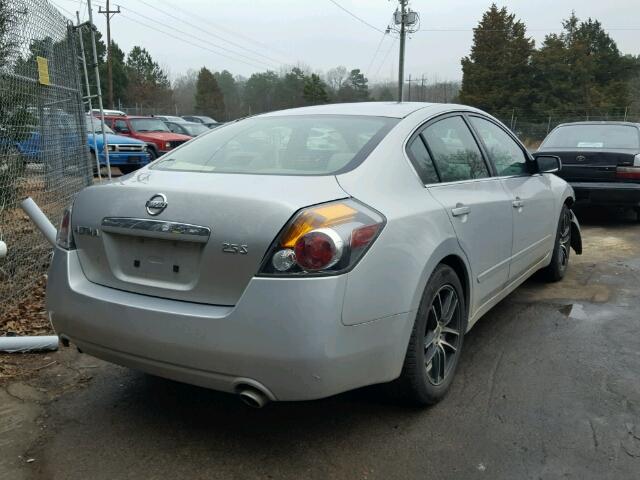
(156, 204)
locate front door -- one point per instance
(530, 194)
(477, 204)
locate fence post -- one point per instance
(626, 109)
(549, 125)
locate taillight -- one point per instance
(630, 173)
(64, 239)
(324, 239)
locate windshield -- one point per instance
(195, 129)
(282, 145)
(593, 136)
(206, 120)
(97, 126)
(148, 125)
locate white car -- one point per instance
(252, 261)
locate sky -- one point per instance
(245, 36)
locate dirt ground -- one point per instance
(547, 388)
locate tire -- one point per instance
(153, 154)
(561, 248)
(436, 343)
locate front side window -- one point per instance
(505, 153)
(454, 150)
(282, 145)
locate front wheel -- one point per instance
(436, 340)
(561, 249)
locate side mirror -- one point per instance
(548, 163)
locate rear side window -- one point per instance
(422, 161)
(454, 150)
(593, 136)
(282, 145)
(503, 150)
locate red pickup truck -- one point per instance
(153, 131)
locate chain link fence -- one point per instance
(43, 136)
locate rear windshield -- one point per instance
(593, 136)
(282, 145)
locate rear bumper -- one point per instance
(285, 335)
(608, 193)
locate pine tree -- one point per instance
(315, 91)
(497, 73)
(209, 99)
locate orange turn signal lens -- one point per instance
(319, 217)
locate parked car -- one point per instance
(96, 112)
(208, 121)
(152, 131)
(254, 261)
(191, 129)
(601, 161)
(169, 118)
(126, 153)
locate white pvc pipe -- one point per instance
(28, 344)
(40, 219)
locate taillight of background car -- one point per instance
(630, 173)
(324, 240)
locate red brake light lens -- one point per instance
(323, 240)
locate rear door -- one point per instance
(477, 204)
(532, 200)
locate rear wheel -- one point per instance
(436, 340)
(562, 248)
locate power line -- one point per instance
(356, 17)
(173, 28)
(386, 55)
(210, 33)
(253, 62)
(230, 31)
(139, 22)
(375, 53)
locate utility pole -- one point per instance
(422, 88)
(403, 8)
(409, 82)
(109, 15)
(405, 18)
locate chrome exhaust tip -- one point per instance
(252, 397)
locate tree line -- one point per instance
(579, 71)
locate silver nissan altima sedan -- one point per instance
(302, 253)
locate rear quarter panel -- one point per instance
(391, 278)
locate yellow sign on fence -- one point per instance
(43, 71)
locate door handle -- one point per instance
(517, 203)
(460, 209)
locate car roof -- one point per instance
(373, 109)
(601, 122)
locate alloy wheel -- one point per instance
(443, 335)
(565, 238)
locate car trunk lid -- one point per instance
(591, 165)
(196, 237)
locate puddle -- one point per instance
(574, 310)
